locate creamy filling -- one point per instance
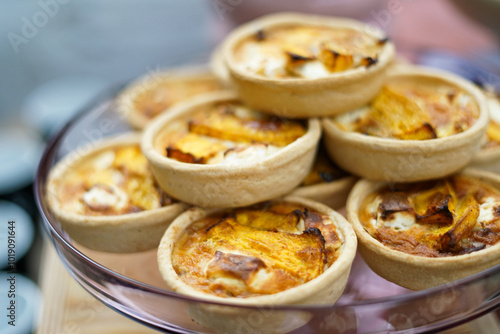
(103, 197)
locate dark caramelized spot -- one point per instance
(438, 212)
(393, 202)
(369, 61)
(178, 155)
(260, 35)
(297, 58)
(383, 41)
(234, 265)
(467, 250)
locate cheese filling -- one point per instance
(413, 113)
(311, 52)
(492, 136)
(166, 91)
(255, 251)
(112, 182)
(454, 216)
(228, 134)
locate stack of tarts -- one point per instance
(241, 145)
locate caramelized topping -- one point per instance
(413, 113)
(113, 182)
(165, 92)
(227, 132)
(492, 134)
(258, 250)
(448, 217)
(492, 137)
(305, 51)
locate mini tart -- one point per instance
(297, 65)
(149, 96)
(408, 160)
(326, 183)
(488, 158)
(425, 234)
(212, 151)
(317, 246)
(106, 199)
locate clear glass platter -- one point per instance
(131, 283)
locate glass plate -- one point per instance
(131, 283)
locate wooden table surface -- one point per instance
(69, 309)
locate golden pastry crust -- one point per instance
(107, 198)
(451, 236)
(316, 289)
(150, 95)
(351, 73)
(400, 160)
(270, 169)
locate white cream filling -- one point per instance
(254, 152)
(346, 121)
(399, 221)
(463, 100)
(105, 196)
(312, 70)
(103, 160)
(487, 211)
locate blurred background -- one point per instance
(58, 55)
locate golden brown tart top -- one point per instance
(114, 181)
(165, 91)
(258, 250)
(413, 111)
(306, 51)
(492, 136)
(225, 133)
(447, 217)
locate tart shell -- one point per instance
(326, 288)
(417, 272)
(125, 101)
(338, 93)
(133, 232)
(229, 185)
(396, 160)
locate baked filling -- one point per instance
(302, 51)
(115, 181)
(413, 112)
(259, 250)
(452, 216)
(324, 170)
(151, 101)
(492, 137)
(227, 133)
